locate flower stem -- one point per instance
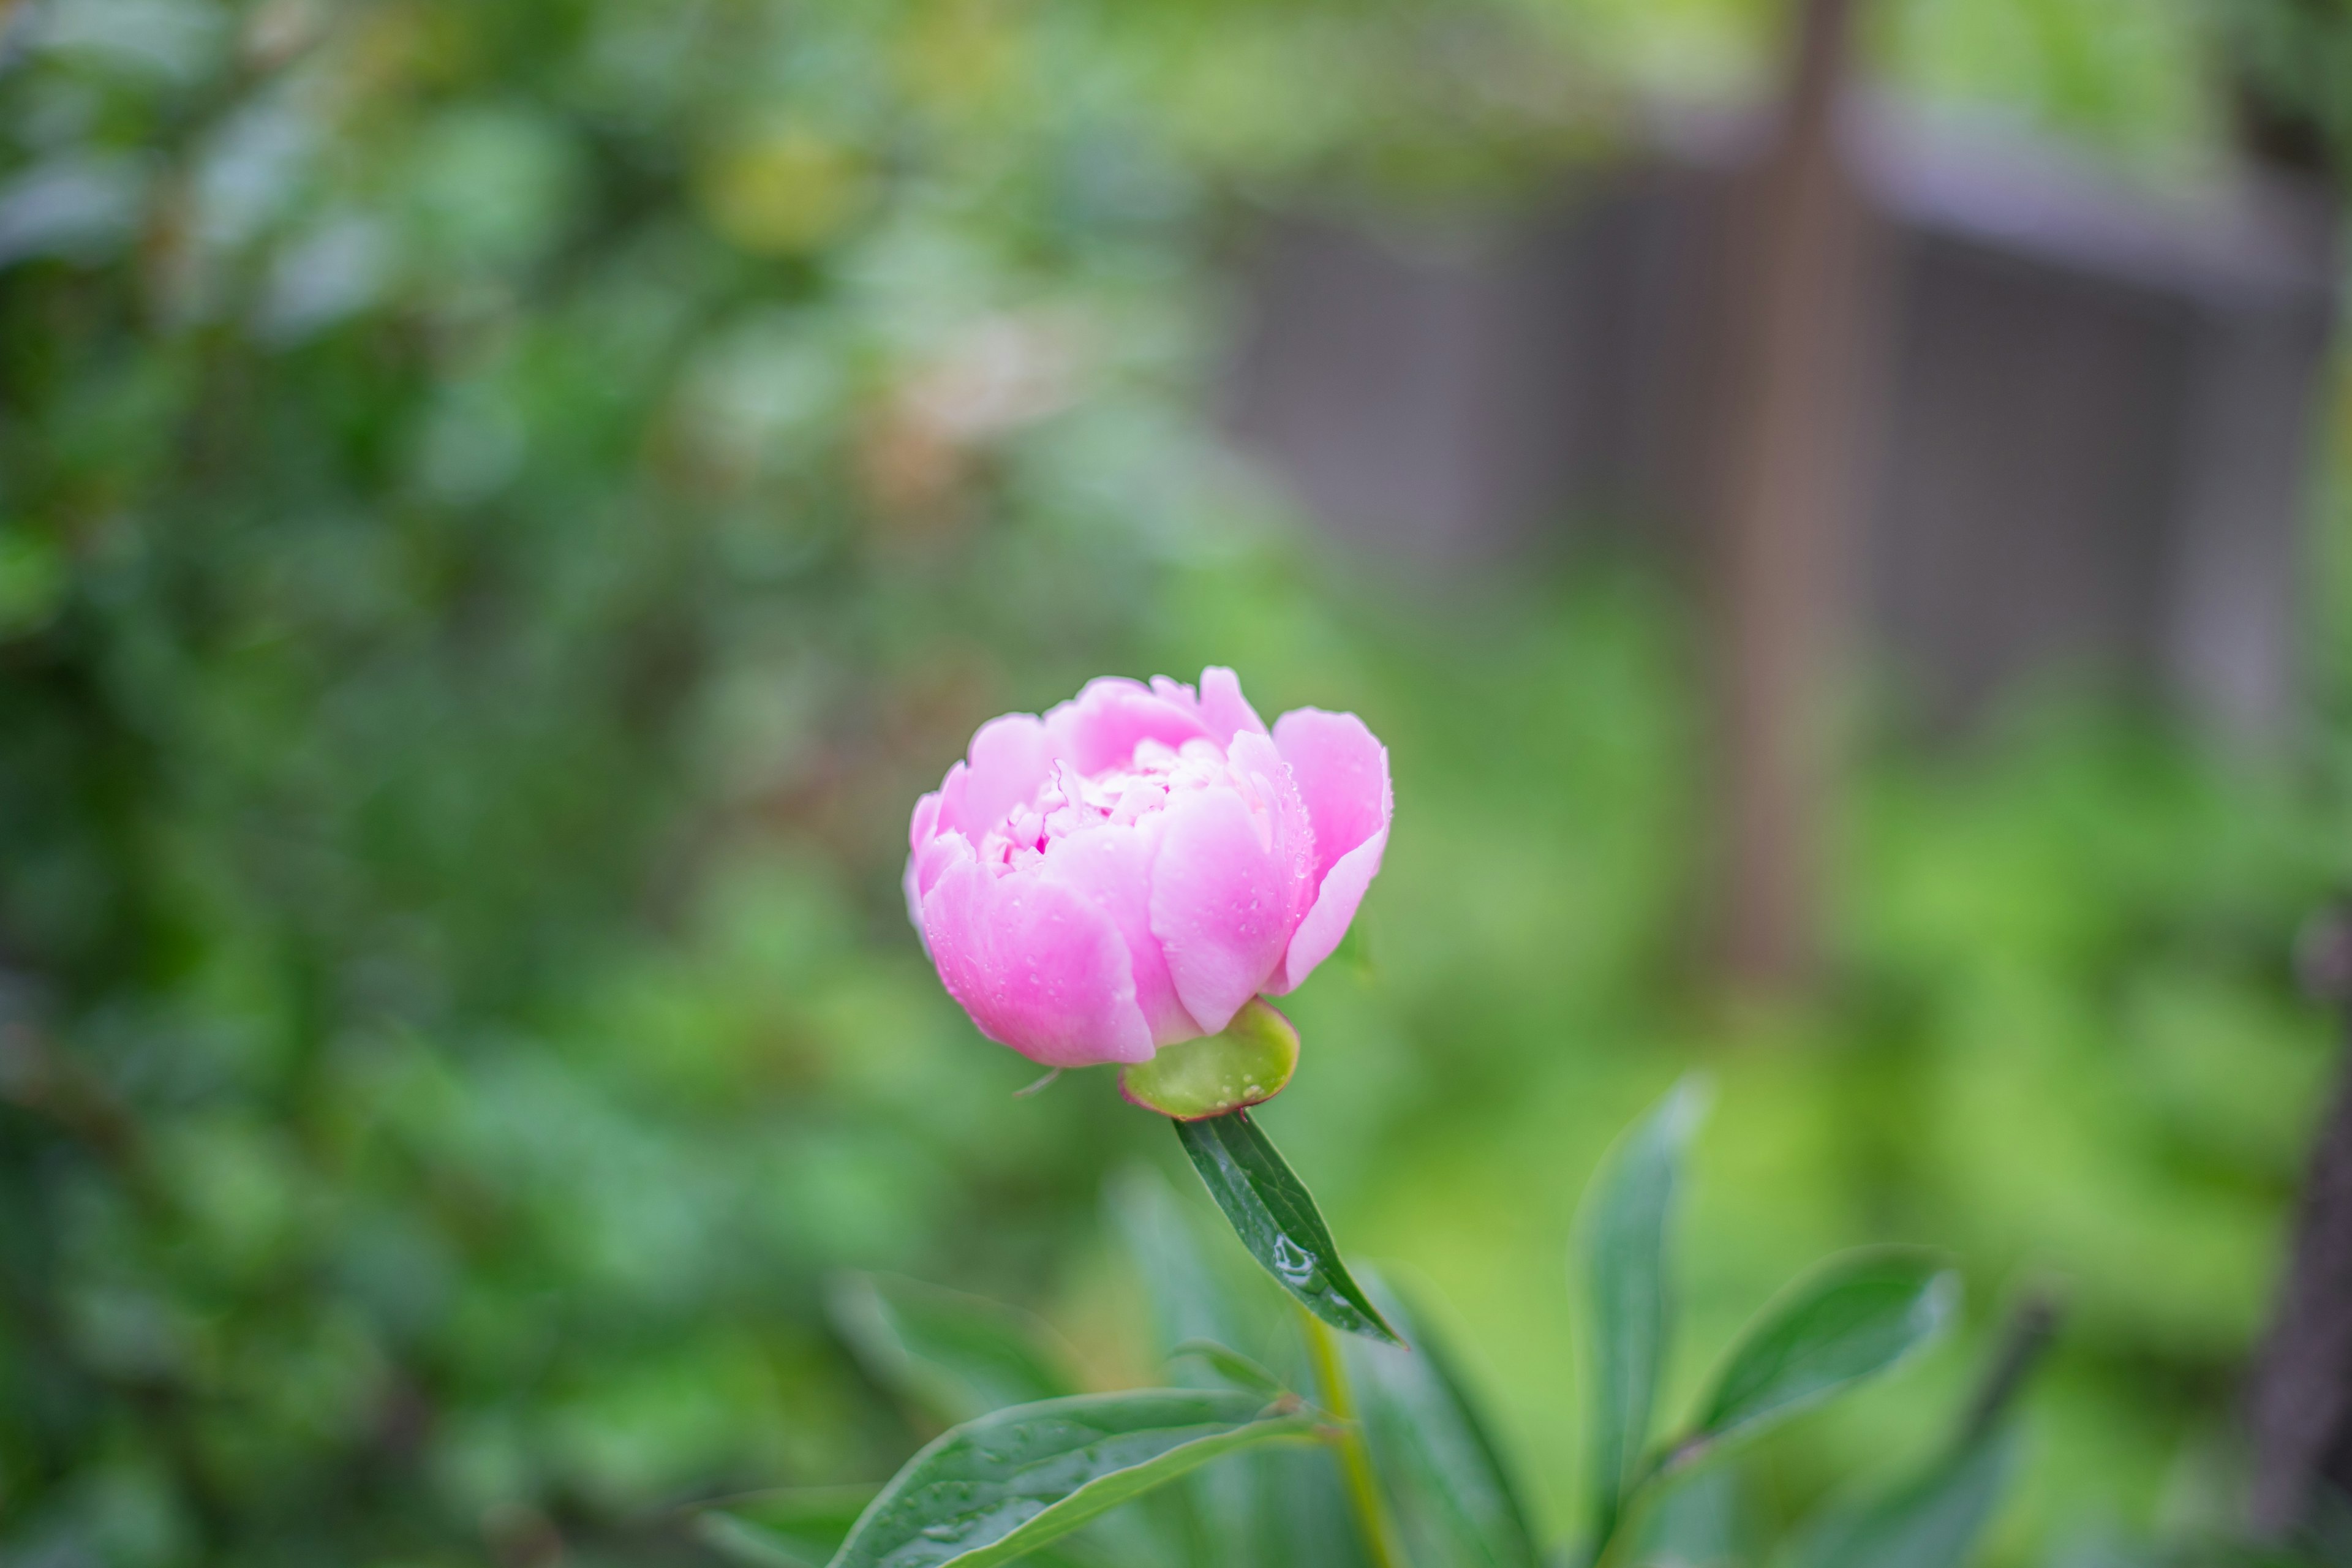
(1355, 1459)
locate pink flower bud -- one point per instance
(1128, 870)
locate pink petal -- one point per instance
(953, 817)
(926, 866)
(920, 828)
(925, 822)
(1224, 709)
(1010, 758)
(1334, 908)
(1036, 966)
(1111, 869)
(1099, 729)
(1219, 904)
(1169, 689)
(1343, 775)
(1291, 832)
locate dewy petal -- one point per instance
(1219, 905)
(1291, 837)
(1343, 775)
(1335, 907)
(1098, 730)
(1036, 966)
(1224, 709)
(1111, 867)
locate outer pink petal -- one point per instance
(1291, 831)
(1037, 966)
(920, 828)
(1010, 758)
(1224, 708)
(1219, 904)
(1099, 729)
(927, 865)
(1343, 775)
(1112, 868)
(1334, 908)
(1219, 704)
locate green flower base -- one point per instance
(1247, 1065)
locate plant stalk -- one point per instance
(1355, 1458)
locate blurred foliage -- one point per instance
(2292, 59)
(502, 507)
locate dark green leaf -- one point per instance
(1275, 1216)
(1628, 1297)
(1453, 1494)
(956, 1355)
(993, 1489)
(1934, 1522)
(1853, 1318)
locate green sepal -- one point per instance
(1247, 1065)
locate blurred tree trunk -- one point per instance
(2299, 1408)
(1798, 304)
(2299, 1404)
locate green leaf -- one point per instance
(1247, 1065)
(739, 1540)
(1275, 1216)
(993, 1489)
(1934, 1522)
(1249, 1508)
(1628, 1292)
(1232, 1366)
(1452, 1495)
(955, 1355)
(1855, 1317)
(1183, 1284)
(792, 1527)
(1937, 1519)
(1698, 1521)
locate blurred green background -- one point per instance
(503, 507)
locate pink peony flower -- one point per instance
(1128, 870)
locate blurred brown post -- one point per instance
(1796, 300)
(2300, 1406)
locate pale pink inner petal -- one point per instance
(1318, 935)
(1099, 729)
(1219, 904)
(1343, 777)
(1037, 966)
